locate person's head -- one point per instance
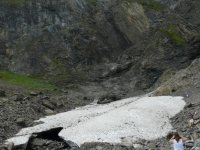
(177, 137)
(170, 135)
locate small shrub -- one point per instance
(172, 33)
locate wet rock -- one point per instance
(2, 93)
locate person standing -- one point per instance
(177, 141)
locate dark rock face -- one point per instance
(64, 40)
(39, 35)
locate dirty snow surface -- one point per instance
(138, 117)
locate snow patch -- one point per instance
(138, 117)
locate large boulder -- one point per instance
(131, 20)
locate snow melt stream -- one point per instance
(138, 117)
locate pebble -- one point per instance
(32, 93)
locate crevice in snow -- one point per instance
(51, 134)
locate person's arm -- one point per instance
(172, 140)
(184, 138)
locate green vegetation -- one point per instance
(171, 32)
(24, 80)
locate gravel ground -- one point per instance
(187, 122)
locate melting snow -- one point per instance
(138, 117)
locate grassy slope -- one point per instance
(24, 80)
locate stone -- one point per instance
(18, 97)
(197, 144)
(32, 93)
(126, 142)
(191, 122)
(99, 148)
(26, 98)
(72, 144)
(196, 121)
(48, 111)
(64, 91)
(196, 115)
(48, 104)
(59, 104)
(108, 98)
(189, 143)
(2, 93)
(195, 135)
(45, 97)
(38, 142)
(152, 145)
(117, 69)
(138, 146)
(10, 146)
(21, 121)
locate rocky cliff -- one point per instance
(72, 40)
